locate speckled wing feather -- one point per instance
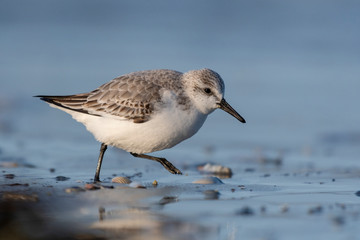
(131, 96)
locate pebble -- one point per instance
(74, 189)
(8, 165)
(211, 194)
(315, 210)
(338, 220)
(123, 180)
(61, 178)
(208, 180)
(245, 211)
(9, 176)
(168, 199)
(20, 197)
(271, 161)
(263, 209)
(215, 169)
(249, 170)
(18, 184)
(102, 213)
(284, 208)
(342, 206)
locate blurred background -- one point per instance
(291, 68)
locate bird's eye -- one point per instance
(207, 90)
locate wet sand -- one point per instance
(265, 198)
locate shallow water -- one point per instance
(291, 69)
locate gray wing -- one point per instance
(131, 96)
(126, 96)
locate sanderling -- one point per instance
(147, 111)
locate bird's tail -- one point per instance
(71, 102)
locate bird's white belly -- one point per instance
(164, 130)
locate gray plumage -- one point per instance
(132, 96)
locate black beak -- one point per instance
(227, 108)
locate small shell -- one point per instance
(208, 180)
(123, 180)
(136, 185)
(155, 183)
(91, 186)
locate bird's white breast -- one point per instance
(167, 127)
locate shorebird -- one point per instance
(147, 111)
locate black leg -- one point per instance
(102, 151)
(171, 168)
